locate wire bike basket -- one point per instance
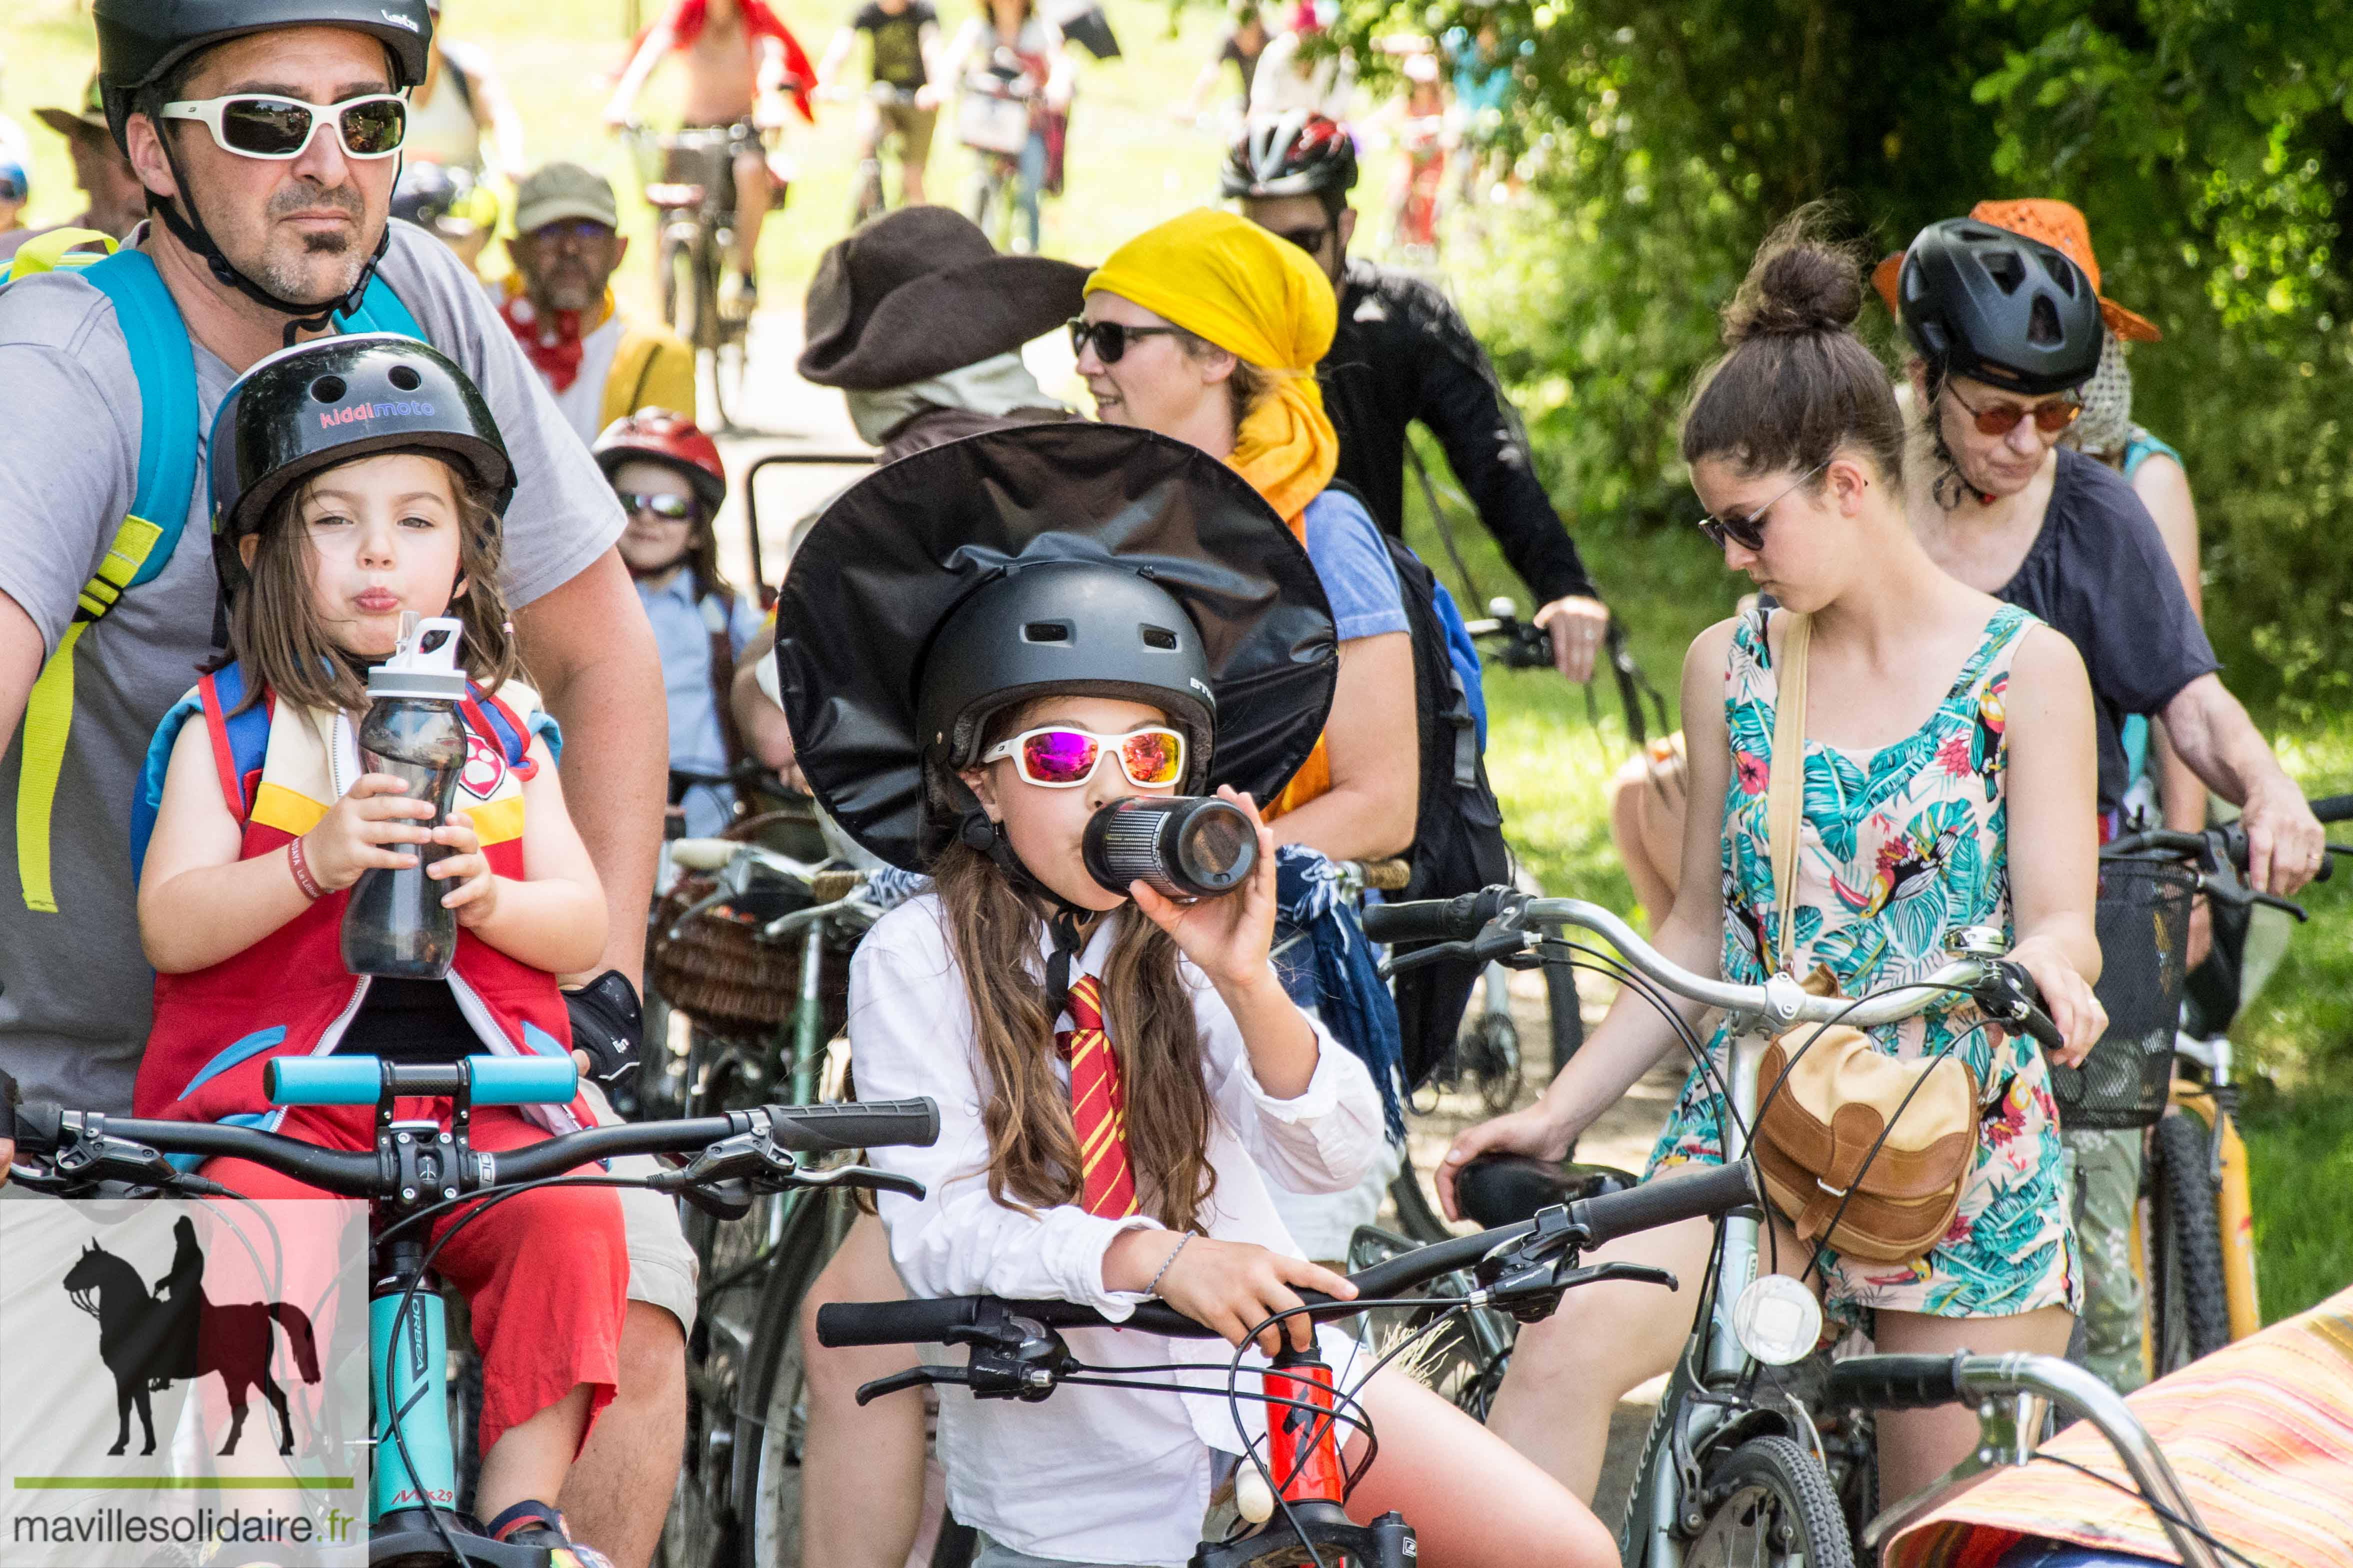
(2143, 922)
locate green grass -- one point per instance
(1132, 165)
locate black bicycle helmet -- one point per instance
(140, 40)
(1999, 308)
(1295, 153)
(1088, 628)
(312, 406)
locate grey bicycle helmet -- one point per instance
(309, 408)
(1981, 302)
(140, 40)
(1295, 153)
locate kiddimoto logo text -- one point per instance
(359, 411)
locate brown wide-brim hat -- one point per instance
(2057, 224)
(70, 123)
(919, 292)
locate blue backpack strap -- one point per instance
(381, 312)
(494, 718)
(166, 369)
(240, 744)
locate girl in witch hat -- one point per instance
(979, 647)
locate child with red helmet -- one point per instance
(671, 482)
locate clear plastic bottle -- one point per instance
(396, 926)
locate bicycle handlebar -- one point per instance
(117, 1145)
(1590, 1222)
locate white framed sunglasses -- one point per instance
(266, 125)
(1063, 756)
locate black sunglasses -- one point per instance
(669, 508)
(1749, 532)
(1310, 240)
(1111, 338)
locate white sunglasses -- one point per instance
(1064, 756)
(265, 125)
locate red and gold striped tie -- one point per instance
(1098, 1108)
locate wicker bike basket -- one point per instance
(716, 969)
(2143, 922)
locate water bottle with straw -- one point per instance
(395, 925)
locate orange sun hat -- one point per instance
(2057, 224)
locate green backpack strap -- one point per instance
(57, 249)
(165, 368)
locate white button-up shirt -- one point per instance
(1092, 1475)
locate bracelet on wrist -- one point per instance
(1154, 1288)
(303, 876)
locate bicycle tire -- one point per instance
(769, 1536)
(1493, 1049)
(1768, 1491)
(729, 366)
(1416, 1215)
(2192, 1312)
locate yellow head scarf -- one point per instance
(1224, 279)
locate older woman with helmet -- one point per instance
(2006, 331)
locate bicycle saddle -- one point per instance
(1504, 1189)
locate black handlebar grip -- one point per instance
(821, 1128)
(1895, 1381)
(1657, 1202)
(2036, 1021)
(840, 1323)
(1432, 920)
(39, 1124)
(2333, 808)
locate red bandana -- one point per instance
(551, 340)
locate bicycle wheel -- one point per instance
(770, 1534)
(2191, 1315)
(1463, 1362)
(1492, 1053)
(672, 295)
(729, 362)
(868, 200)
(1416, 1215)
(1767, 1503)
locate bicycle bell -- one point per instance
(1776, 1319)
(1977, 942)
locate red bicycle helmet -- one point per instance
(1294, 153)
(661, 435)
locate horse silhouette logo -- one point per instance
(150, 1342)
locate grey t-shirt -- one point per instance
(75, 1011)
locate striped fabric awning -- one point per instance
(2260, 1433)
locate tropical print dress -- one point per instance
(1900, 846)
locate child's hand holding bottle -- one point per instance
(361, 830)
(1228, 938)
(476, 895)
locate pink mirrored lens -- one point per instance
(1060, 756)
(1153, 759)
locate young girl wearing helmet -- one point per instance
(355, 481)
(980, 647)
(670, 482)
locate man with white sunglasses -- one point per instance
(267, 134)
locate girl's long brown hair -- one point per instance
(1033, 1147)
(275, 629)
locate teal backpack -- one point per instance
(166, 367)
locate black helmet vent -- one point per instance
(328, 389)
(1045, 631)
(404, 378)
(2042, 324)
(2006, 271)
(1159, 637)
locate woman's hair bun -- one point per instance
(1801, 283)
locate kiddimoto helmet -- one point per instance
(319, 404)
(659, 435)
(1294, 153)
(1981, 302)
(140, 40)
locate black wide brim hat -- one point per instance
(919, 292)
(893, 559)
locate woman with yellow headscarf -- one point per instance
(1208, 328)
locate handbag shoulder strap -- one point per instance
(1785, 794)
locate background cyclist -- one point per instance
(1402, 353)
(1018, 30)
(2007, 330)
(459, 105)
(904, 35)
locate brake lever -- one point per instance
(914, 1377)
(2277, 902)
(865, 1176)
(1495, 942)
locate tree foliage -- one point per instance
(2207, 140)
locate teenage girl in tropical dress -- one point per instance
(1948, 782)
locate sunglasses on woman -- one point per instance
(669, 508)
(1111, 338)
(265, 125)
(1061, 756)
(1749, 532)
(2049, 418)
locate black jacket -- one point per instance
(1403, 352)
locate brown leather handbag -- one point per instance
(1843, 1097)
